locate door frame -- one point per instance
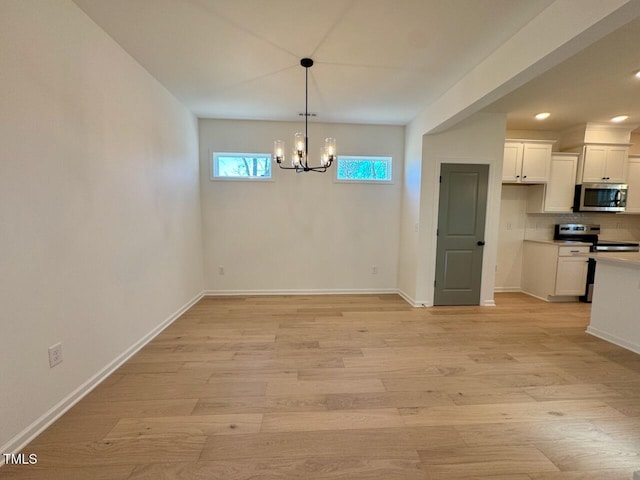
(491, 227)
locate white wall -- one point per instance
(99, 199)
(300, 232)
(511, 233)
(410, 217)
(478, 139)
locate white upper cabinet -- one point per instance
(605, 163)
(633, 179)
(557, 195)
(526, 161)
(512, 162)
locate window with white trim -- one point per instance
(369, 169)
(241, 166)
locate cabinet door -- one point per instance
(633, 179)
(561, 185)
(536, 159)
(571, 276)
(512, 162)
(616, 166)
(595, 159)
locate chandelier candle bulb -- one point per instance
(278, 150)
(324, 157)
(299, 139)
(330, 146)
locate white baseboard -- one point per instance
(21, 440)
(411, 301)
(381, 291)
(536, 296)
(223, 293)
(621, 342)
(507, 290)
(489, 303)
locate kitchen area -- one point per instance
(570, 207)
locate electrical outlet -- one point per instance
(220, 270)
(416, 227)
(55, 355)
(509, 226)
(374, 270)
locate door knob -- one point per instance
(481, 243)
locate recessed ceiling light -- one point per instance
(637, 74)
(543, 116)
(619, 118)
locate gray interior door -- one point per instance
(461, 217)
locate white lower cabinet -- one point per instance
(571, 276)
(552, 270)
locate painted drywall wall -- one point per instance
(300, 232)
(511, 233)
(99, 199)
(478, 139)
(410, 216)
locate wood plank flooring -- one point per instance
(357, 387)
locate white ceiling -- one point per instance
(594, 85)
(377, 61)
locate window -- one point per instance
(363, 169)
(244, 166)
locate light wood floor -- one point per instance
(358, 387)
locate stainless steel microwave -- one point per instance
(600, 197)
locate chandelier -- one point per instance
(300, 155)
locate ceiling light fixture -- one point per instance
(619, 118)
(637, 74)
(543, 116)
(300, 160)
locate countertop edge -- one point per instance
(631, 259)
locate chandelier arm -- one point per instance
(288, 168)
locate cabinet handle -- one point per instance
(575, 251)
(517, 176)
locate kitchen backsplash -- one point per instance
(613, 226)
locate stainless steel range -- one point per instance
(588, 233)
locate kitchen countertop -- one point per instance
(625, 258)
(567, 243)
